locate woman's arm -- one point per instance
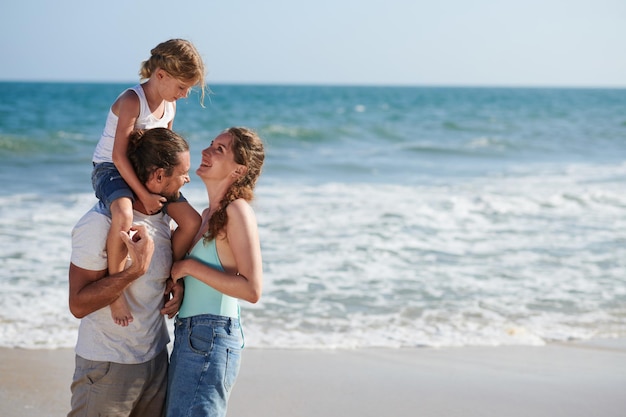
(243, 280)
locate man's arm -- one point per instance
(92, 290)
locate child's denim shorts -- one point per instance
(108, 184)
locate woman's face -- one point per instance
(218, 160)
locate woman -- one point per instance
(223, 266)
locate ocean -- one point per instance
(392, 217)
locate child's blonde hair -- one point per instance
(180, 59)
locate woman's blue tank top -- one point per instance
(200, 298)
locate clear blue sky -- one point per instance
(395, 42)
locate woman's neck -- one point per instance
(216, 192)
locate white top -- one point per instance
(146, 120)
(99, 338)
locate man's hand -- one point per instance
(140, 249)
(173, 298)
(92, 290)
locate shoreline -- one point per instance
(558, 379)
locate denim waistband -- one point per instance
(212, 319)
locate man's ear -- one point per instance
(158, 175)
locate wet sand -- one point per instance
(568, 380)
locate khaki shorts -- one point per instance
(119, 390)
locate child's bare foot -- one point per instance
(121, 312)
(123, 320)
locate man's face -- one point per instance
(170, 186)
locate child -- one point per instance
(174, 67)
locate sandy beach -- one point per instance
(569, 380)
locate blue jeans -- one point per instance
(204, 365)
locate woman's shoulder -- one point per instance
(240, 208)
(239, 204)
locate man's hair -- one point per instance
(151, 149)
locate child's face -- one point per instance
(173, 88)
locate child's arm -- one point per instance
(127, 107)
(188, 221)
(93, 290)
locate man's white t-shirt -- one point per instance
(99, 338)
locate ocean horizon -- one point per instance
(390, 216)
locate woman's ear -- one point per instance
(240, 171)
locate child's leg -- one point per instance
(121, 219)
(188, 221)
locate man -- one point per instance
(122, 371)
